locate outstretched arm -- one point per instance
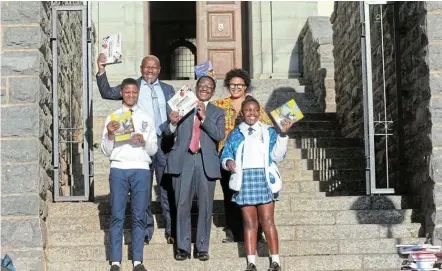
(107, 92)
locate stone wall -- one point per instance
(413, 106)
(316, 44)
(26, 129)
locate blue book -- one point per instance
(204, 69)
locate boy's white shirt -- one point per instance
(128, 154)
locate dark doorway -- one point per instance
(173, 38)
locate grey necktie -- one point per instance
(156, 109)
(251, 130)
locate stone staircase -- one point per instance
(324, 220)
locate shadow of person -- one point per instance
(383, 211)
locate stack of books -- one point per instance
(420, 257)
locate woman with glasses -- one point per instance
(237, 82)
(250, 153)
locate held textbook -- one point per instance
(287, 112)
(204, 69)
(126, 130)
(112, 49)
(183, 101)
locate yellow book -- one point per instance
(126, 130)
(288, 111)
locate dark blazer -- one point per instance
(114, 93)
(212, 131)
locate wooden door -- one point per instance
(218, 35)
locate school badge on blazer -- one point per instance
(144, 125)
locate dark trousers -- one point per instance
(231, 209)
(121, 182)
(164, 182)
(193, 181)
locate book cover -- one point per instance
(183, 101)
(112, 49)
(288, 111)
(204, 69)
(126, 130)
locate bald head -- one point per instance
(151, 57)
(150, 68)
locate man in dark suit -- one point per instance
(153, 98)
(194, 165)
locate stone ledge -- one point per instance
(23, 63)
(26, 258)
(21, 205)
(21, 150)
(20, 121)
(21, 12)
(20, 178)
(21, 233)
(23, 37)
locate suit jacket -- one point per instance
(212, 131)
(114, 93)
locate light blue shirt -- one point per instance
(145, 100)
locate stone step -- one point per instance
(314, 125)
(302, 263)
(300, 189)
(283, 219)
(325, 143)
(319, 116)
(314, 150)
(321, 164)
(312, 133)
(289, 204)
(229, 251)
(291, 188)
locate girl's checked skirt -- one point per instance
(254, 188)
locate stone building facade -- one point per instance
(413, 85)
(26, 121)
(324, 50)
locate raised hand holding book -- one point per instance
(183, 101)
(112, 49)
(287, 114)
(204, 69)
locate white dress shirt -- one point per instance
(254, 148)
(128, 154)
(145, 99)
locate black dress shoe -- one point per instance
(115, 268)
(274, 266)
(251, 267)
(169, 239)
(202, 256)
(139, 267)
(260, 238)
(230, 238)
(181, 255)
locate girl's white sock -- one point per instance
(251, 259)
(136, 263)
(275, 258)
(116, 263)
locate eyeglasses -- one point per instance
(237, 86)
(205, 86)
